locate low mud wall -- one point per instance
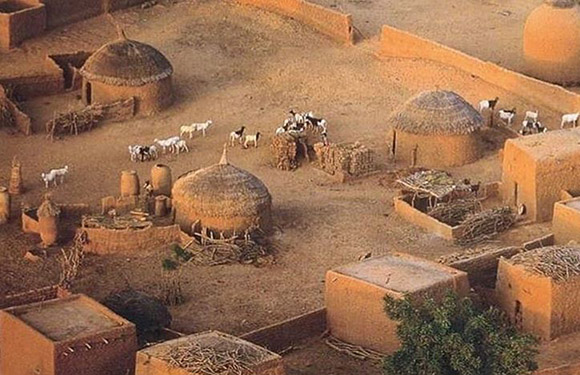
(334, 24)
(21, 120)
(33, 296)
(414, 216)
(49, 82)
(107, 241)
(280, 336)
(398, 43)
(21, 24)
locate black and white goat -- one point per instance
(237, 136)
(488, 104)
(252, 139)
(507, 115)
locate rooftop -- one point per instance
(550, 146)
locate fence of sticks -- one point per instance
(74, 122)
(485, 225)
(455, 212)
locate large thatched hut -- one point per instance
(126, 68)
(435, 129)
(552, 42)
(221, 199)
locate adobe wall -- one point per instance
(533, 292)
(565, 312)
(21, 119)
(554, 175)
(149, 99)
(113, 5)
(519, 170)
(436, 151)
(33, 296)
(430, 224)
(397, 43)
(50, 82)
(566, 222)
(334, 24)
(107, 241)
(62, 12)
(22, 349)
(23, 24)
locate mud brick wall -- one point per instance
(22, 24)
(49, 82)
(397, 43)
(21, 119)
(107, 241)
(62, 12)
(32, 296)
(334, 24)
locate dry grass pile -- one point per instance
(285, 150)
(130, 221)
(560, 263)
(74, 122)
(353, 159)
(192, 357)
(486, 225)
(454, 212)
(71, 260)
(354, 351)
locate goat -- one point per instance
(570, 118)
(488, 104)
(237, 135)
(61, 172)
(531, 116)
(202, 127)
(532, 127)
(181, 146)
(48, 178)
(252, 139)
(539, 128)
(281, 130)
(167, 143)
(148, 188)
(311, 120)
(507, 115)
(296, 117)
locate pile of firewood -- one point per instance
(74, 122)
(486, 225)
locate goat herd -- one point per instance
(531, 123)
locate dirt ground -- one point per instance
(240, 66)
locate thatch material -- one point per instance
(145, 311)
(561, 3)
(48, 208)
(352, 159)
(126, 62)
(486, 225)
(437, 113)
(221, 190)
(454, 212)
(285, 150)
(438, 184)
(559, 263)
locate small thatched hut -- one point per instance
(48, 214)
(435, 129)
(552, 42)
(126, 68)
(222, 199)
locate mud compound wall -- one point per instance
(21, 24)
(107, 241)
(61, 12)
(49, 82)
(334, 24)
(566, 222)
(416, 217)
(397, 43)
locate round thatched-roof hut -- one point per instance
(552, 42)
(435, 129)
(221, 198)
(126, 68)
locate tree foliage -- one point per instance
(454, 337)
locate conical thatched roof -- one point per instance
(126, 62)
(48, 208)
(437, 113)
(222, 190)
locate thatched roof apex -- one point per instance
(222, 190)
(126, 62)
(437, 112)
(48, 208)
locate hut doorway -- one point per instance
(516, 194)
(394, 144)
(518, 318)
(88, 93)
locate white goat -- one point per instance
(252, 139)
(167, 143)
(507, 115)
(190, 129)
(48, 178)
(531, 115)
(570, 118)
(61, 172)
(181, 146)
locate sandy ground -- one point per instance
(491, 30)
(239, 66)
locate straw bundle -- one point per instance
(485, 225)
(125, 62)
(231, 360)
(454, 212)
(351, 158)
(437, 113)
(48, 208)
(560, 263)
(285, 149)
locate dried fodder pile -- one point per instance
(134, 220)
(71, 260)
(74, 122)
(353, 159)
(456, 211)
(231, 360)
(354, 351)
(464, 255)
(485, 225)
(560, 263)
(285, 150)
(438, 184)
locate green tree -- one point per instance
(454, 337)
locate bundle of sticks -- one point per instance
(354, 351)
(485, 225)
(200, 360)
(454, 212)
(213, 252)
(73, 122)
(559, 263)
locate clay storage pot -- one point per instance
(48, 218)
(4, 205)
(160, 205)
(161, 180)
(129, 183)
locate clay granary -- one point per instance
(435, 129)
(538, 290)
(537, 169)
(126, 68)
(221, 198)
(552, 42)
